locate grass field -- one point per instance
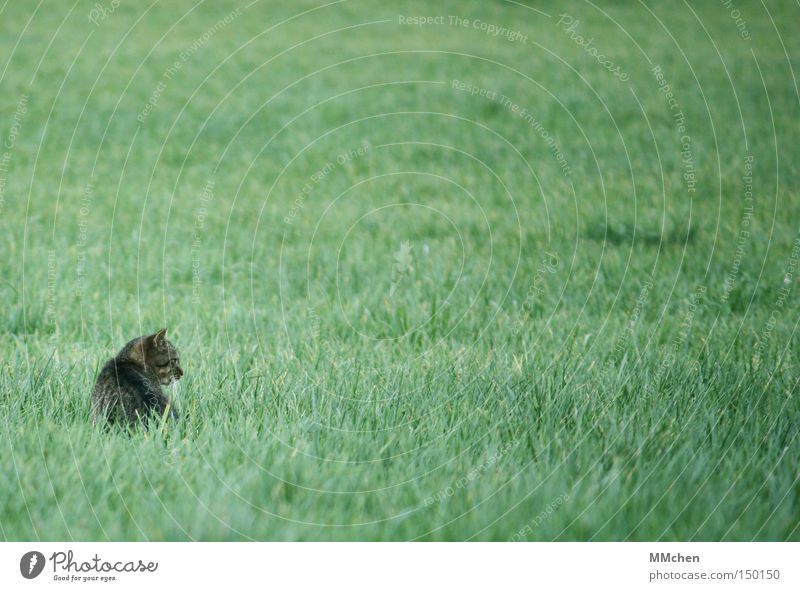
(511, 273)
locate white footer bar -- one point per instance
(390, 566)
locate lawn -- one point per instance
(454, 271)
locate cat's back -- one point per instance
(121, 392)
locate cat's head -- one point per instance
(157, 355)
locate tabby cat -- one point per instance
(128, 388)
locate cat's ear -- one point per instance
(158, 339)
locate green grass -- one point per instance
(461, 332)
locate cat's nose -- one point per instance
(180, 372)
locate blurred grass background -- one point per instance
(583, 328)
